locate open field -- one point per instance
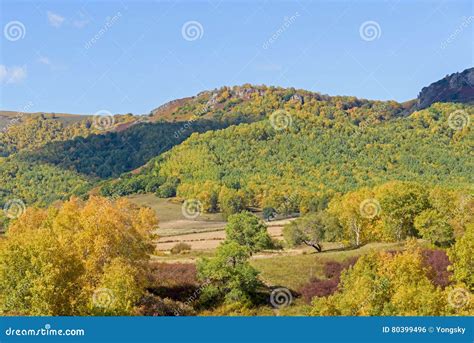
(207, 239)
(172, 222)
(203, 233)
(294, 270)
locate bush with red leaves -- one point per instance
(322, 288)
(333, 269)
(437, 263)
(176, 281)
(173, 274)
(318, 288)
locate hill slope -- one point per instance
(312, 157)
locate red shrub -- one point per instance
(437, 262)
(321, 288)
(333, 269)
(173, 274)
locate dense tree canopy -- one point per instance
(76, 258)
(328, 155)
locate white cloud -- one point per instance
(55, 19)
(13, 74)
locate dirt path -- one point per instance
(210, 239)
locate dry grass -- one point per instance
(292, 271)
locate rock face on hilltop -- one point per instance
(457, 87)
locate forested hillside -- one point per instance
(84, 148)
(310, 157)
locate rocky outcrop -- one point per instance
(457, 87)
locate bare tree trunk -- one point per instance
(316, 246)
(356, 229)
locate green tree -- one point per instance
(401, 202)
(434, 227)
(269, 213)
(230, 201)
(228, 276)
(248, 230)
(312, 229)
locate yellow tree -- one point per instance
(358, 212)
(385, 284)
(53, 261)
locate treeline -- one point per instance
(393, 211)
(300, 168)
(31, 132)
(258, 102)
(60, 169)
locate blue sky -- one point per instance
(140, 57)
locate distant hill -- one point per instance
(240, 137)
(457, 87)
(14, 117)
